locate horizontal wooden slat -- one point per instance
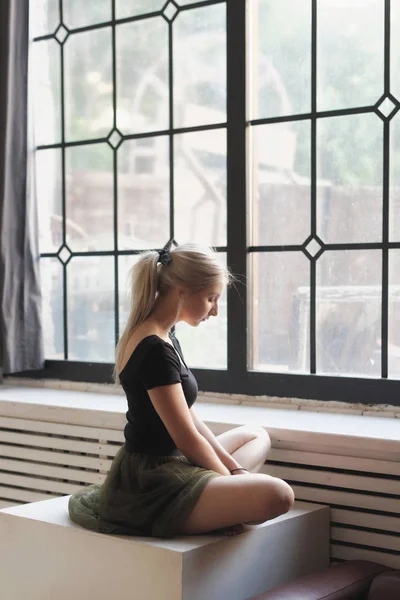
(61, 458)
(8, 503)
(355, 482)
(56, 472)
(365, 538)
(35, 483)
(24, 495)
(377, 452)
(338, 462)
(43, 441)
(349, 553)
(108, 449)
(340, 498)
(95, 433)
(362, 519)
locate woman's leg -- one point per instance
(249, 445)
(229, 500)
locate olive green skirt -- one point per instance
(141, 495)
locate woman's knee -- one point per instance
(286, 494)
(258, 432)
(278, 498)
(264, 441)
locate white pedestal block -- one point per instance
(43, 556)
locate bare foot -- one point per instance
(231, 531)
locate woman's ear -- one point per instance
(181, 292)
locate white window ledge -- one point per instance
(290, 422)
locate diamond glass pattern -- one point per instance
(61, 34)
(386, 107)
(64, 255)
(115, 138)
(170, 11)
(313, 247)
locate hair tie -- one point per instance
(164, 255)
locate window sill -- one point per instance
(289, 421)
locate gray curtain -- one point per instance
(21, 346)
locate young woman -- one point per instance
(173, 476)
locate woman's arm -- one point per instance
(170, 403)
(224, 456)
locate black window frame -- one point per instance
(237, 379)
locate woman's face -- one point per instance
(200, 306)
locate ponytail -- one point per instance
(143, 297)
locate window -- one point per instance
(228, 123)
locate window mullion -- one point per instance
(385, 205)
(236, 185)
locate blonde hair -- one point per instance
(191, 266)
